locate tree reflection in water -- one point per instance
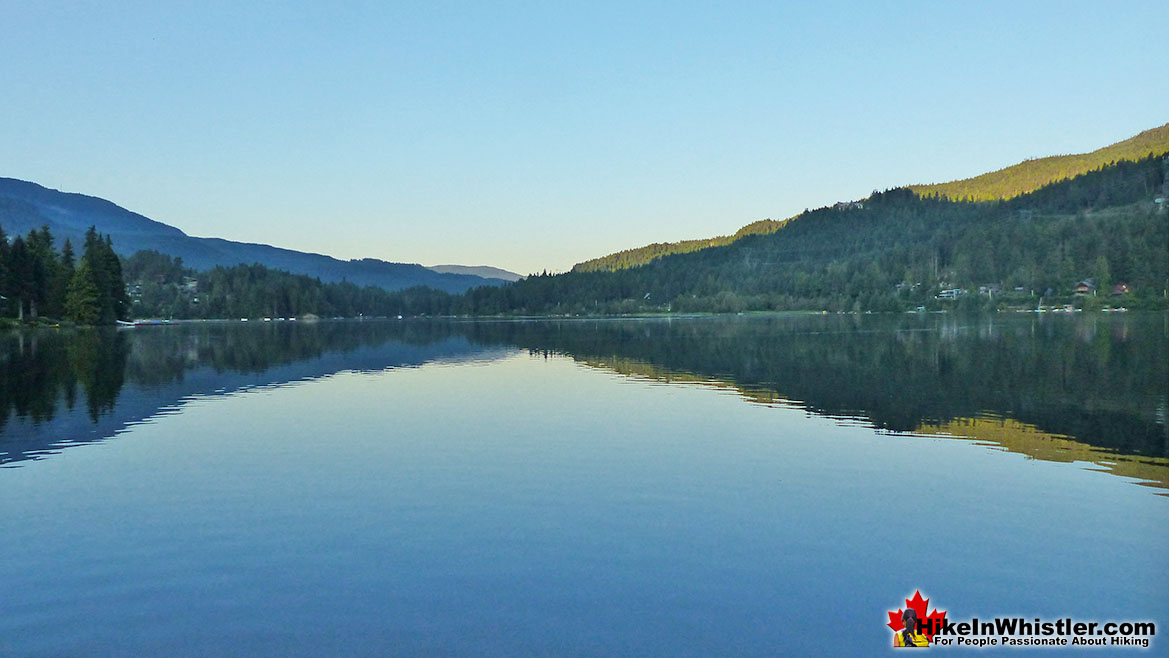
(1086, 388)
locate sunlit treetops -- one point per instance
(1030, 175)
(1005, 183)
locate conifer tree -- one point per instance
(36, 280)
(19, 275)
(42, 270)
(116, 283)
(64, 275)
(93, 261)
(105, 289)
(82, 304)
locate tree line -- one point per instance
(37, 281)
(638, 256)
(897, 250)
(998, 185)
(1031, 175)
(1103, 377)
(162, 287)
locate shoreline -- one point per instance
(10, 324)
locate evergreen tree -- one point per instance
(19, 275)
(43, 271)
(105, 271)
(82, 301)
(115, 283)
(36, 281)
(60, 286)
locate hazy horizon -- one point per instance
(532, 138)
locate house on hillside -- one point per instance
(991, 289)
(1085, 287)
(1120, 289)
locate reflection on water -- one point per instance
(1011, 435)
(43, 368)
(1097, 382)
(1084, 389)
(684, 487)
(61, 388)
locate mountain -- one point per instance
(1030, 175)
(642, 255)
(25, 206)
(485, 271)
(1096, 240)
(1007, 183)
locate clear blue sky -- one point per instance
(535, 135)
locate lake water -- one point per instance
(732, 486)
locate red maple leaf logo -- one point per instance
(930, 623)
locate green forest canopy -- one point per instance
(36, 280)
(1007, 183)
(1030, 175)
(896, 251)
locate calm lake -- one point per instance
(725, 486)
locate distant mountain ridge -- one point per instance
(485, 271)
(1006, 183)
(25, 206)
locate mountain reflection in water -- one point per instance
(1073, 389)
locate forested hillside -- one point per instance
(1031, 175)
(26, 206)
(898, 250)
(161, 287)
(1098, 239)
(642, 255)
(1002, 184)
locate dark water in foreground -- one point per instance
(713, 486)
